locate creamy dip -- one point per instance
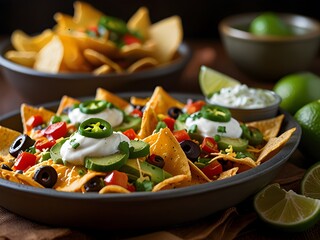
(93, 147)
(243, 97)
(111, 115)
(208, 128)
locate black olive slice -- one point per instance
(156, 160)
(191, 149)
(46, 175)
(174, 112)
(94, 184)
(21, 143)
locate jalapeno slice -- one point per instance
(95, 128)
(92, 106)
(216, 113)
(113, 24)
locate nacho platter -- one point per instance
(78, 210)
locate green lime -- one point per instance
(297, 89)
(310, 184)
(211, 81)
(286, 210)
(269, 23)
(308, 118)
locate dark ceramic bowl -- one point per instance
(270, 57)
(140, 210)
(38, 87)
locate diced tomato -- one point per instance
(34, 121)
(181, 135)
(169, 122)
(56, 130)
(209, 145)
(195, 106)
(131, 187)
(136, 113)
(130, 133)
(24, 161)
(117, 178)
(129, 39)
(44, 143)
(212, 169)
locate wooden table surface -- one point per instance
(205, 52)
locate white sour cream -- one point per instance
(209, 128)
(93, 147)
(243, 97)
(111, 115)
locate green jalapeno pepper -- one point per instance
(95, 128)
(215, 113)
(113, 24)
(252, 134)
(92, 106)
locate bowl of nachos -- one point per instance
(70, 163)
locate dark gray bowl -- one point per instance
(140, 210)
(38, 87)
(270, 57)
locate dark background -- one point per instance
(199, 17)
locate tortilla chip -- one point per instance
(171, 183)
(66, 102)
(86, 15)
(274, 145)
(142, 64)
(103, 69)
(197, 176)
(229, 173)
(140, 22)
(148, 123)
(166, 145)
(24, 58)
(65, 23)
(7, 138)
(113, 189)
(270, 127)
(28, 111)
(103, 94)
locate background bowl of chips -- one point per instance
(37, 87)
(267, 58)
(91, 49)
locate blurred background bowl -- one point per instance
(38, 87)
(270, 57)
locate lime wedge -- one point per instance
(310, 184)
(211, 80)
(286, 210)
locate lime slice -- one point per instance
(211, 80)
(310, 185)
(286, 210)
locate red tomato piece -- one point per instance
(195, 106)
(117, 178)
(34, 121)
(24, 161)
(130, 133)
(169, 122)
(44, 143)
(56, 130)
(131, 187)
(212, 169)
(181, 135)
(209, 145)
(129, 39)
(136, 113)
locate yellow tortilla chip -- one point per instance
(228, 173)
(171, 183)
(142, 64)
(140, 22)
(168, 35)
(7, 138)
(113, 189)
(28, 111)
(66, 102)
(85, 14)
(166, 145)
(103, 94)
(23, 42)
(197, 176)
(103, 69)
(274, 145)
(65, 23)
(269, 127)
(24, 58)
(148, 123)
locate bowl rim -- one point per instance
(184, 50)
(227, 28)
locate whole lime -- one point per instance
(308, 118)
(297, 89)
(269, 23)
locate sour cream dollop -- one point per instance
(243, 97)
(93, 147)
(208, 128)
(111, 115)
